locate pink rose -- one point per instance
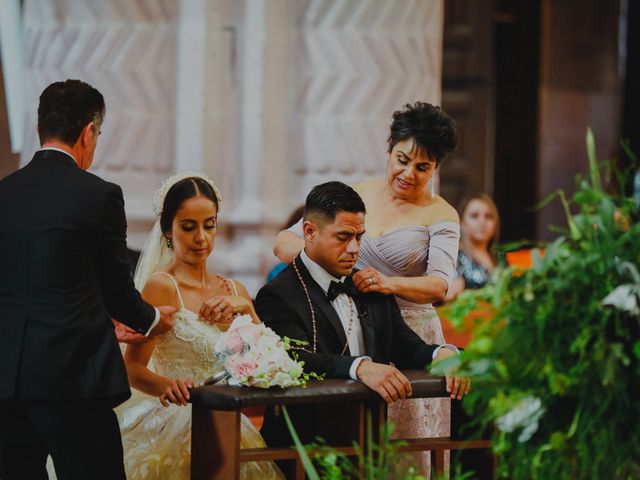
(238, 367)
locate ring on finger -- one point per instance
(371, 281)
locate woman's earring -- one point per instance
(169, 243)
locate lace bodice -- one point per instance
(187, 351)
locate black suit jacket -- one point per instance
(282, 305)
(64, 273)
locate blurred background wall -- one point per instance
(270, 97)
(267, 97)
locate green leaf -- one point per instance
(304, 456)
(594, 171)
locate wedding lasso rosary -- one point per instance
(353, 313)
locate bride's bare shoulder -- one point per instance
(160, 290)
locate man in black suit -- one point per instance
(64, 274)
(350, 334)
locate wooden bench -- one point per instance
(215, 448)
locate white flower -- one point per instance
(626, 297)
(525, 415)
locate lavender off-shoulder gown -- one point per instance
(412, 252)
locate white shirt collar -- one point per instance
(58, 150)
(319, 274)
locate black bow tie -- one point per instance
(336, 288)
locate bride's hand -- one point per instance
(217, 309)
(177, 392)
(222, 308)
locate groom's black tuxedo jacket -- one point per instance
(282, 305)
(64, 273)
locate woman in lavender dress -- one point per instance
(410, 247)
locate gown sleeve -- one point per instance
(443, 250)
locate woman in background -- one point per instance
(477, 259)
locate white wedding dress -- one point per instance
(157, 439)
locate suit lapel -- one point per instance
(365, 316)
(321, 302)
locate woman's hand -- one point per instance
(222, 308)
(177, 392)
(370, 280)
(456, 386)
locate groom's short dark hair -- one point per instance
(327, 199)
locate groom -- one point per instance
(64, 274)
(350, 334)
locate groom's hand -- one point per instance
(389, 382)
(166, 320)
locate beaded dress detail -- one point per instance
(411, 252)
(156, 439)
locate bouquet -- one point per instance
(255, 356)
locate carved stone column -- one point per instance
(127, 50)
(308, 95)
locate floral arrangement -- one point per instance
(556, 371)
(255, 356)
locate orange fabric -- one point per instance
(522, 257)
(255, 414)
(463, 336)
(519, 258)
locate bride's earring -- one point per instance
(169, 243)
(433, 186)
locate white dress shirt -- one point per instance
(344, 307)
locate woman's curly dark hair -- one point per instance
(433, 131)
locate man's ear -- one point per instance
(87, 133)
(309, 229)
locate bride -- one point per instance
(155, 426)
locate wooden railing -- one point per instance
(215, 447)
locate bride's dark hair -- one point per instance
(179, 193)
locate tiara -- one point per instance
(161, 193)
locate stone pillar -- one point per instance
(335, 73)
(127, 50)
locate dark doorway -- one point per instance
(631, 65)
(516, 54)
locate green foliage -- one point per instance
(304, 456)
(557, 370)
(379, 462)
(305, 376)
